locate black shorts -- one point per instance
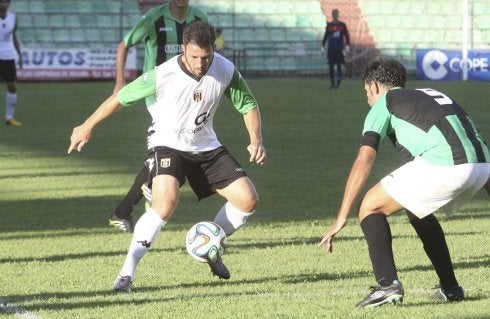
(7, 70)
(205, 172)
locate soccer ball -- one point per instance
(205, 241)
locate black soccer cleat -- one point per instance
(219, 269)
(381, 295)
(454, 294)
(121, 223)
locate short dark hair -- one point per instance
(386, 72)
(199, 33)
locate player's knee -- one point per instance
(251, 201)
(248, 201)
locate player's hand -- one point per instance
(79, 137)
(257, 153)
(323, 50)
(336, 227)
(346, 49)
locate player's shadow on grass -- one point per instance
(477, 262)
(134, 298)
(56, 214)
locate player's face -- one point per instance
(196, 59)
(180, 3)
(371, 92)
(4, 5)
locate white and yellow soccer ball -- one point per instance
(206, 241)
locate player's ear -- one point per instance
(376, 87)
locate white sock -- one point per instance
(145, 232)
(231, 218)
(10, 102)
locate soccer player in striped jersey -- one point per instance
(9, 48)
(451, 163)
(161, 31)
(184, 146)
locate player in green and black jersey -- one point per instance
(451, 163)
(161, 31)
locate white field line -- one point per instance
(12, 309)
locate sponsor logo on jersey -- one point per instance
(198, 96)
(165, 29)
(201, 119)
(165, 162)
(173, 48)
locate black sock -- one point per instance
(134, 195)
(378, 236)
(432, 236)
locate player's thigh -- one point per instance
(165, 195)
(377, 200)
(241, 193)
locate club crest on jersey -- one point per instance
(198, 96)
(165, 162)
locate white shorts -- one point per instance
(422, 188)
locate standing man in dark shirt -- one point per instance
(333, 43)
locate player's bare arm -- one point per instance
(121, 57)
(17, 48)
(355, 182)
(253, 125)
(82, 133)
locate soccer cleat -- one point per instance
(121, 223)
(454, 294)
(122, 284)
(381, 295)
(13, 122)
(219, 269)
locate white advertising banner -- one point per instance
(73, 64)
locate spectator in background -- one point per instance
(161, 30)
(9, 47)
(220, 42)
(336, 44)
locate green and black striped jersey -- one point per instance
(426, 123)
(162, 34)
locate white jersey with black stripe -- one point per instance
(185, 106)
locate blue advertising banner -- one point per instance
(444, 65)
(72, 64)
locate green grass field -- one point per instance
(59, 258)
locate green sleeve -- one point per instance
(240, 94)
(140, 88)
(140, 31)
(378, 118)
(199, 14)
